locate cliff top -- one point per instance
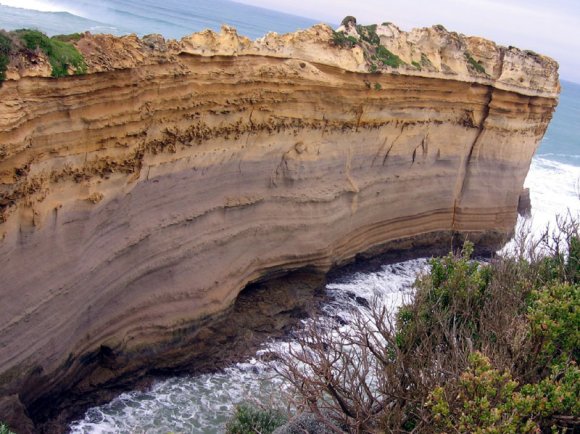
(385, 49)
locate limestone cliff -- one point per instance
(138, 200)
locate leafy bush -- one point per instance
(251, 420)
(4, 429)
(487, 400)
(474, 63)
(388, 58)
(425, 60)
(448, 303)
(369, 34)
(482, 401)
(340, 39)
(5, 49)
(68, 38)
(554, 316)
(61, 55)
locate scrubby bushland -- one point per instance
(339, 39)
(388, 58)
(481, 347)
(369, 34)
(252, 420)
(5, 49)
(61, 54)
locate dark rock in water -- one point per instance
(525, 203)
(305, 423)
(361, 301)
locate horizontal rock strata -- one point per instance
(139, 199)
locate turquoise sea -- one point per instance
(202, 404)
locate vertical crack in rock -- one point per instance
(463, 175)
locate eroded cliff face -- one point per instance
(138, 200)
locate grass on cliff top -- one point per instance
(388, 58)
(369, 34)
(5, 49)
(474, 63)
(60, 52)
(376, 54)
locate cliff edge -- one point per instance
(137, 199)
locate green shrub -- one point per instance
(378, 86)
(61, 55)
(68, 38)
(388, 58)
(486, 400)
(425, 62)
(369, 34)
(474, 63)
(251, 420)
(4, 429)
(449, 298)
(483, 401)
(554, 316)
(5, 49)
(340, 39)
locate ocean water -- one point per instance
(554, 176)
(202, 404)
(171, 18)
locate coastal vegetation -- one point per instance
(481, 347)
(474, 63)
(250, 420)
(5, 49)
(62, 55)
(388, 58)
(4, 429)
(378, 55)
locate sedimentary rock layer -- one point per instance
(139, 199)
